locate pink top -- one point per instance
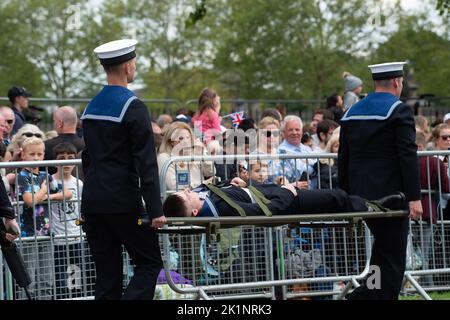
(210, 123)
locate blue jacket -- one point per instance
(377, 151)
(119, 160)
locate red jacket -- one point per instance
(433, 185)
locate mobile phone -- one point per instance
(304, 177)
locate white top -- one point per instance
(115, 48)
(64, 214)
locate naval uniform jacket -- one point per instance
(377, 151)
(282, 201)
(119, 160)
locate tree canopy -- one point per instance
(259, 49)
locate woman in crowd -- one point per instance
(327, 169)
(179, 140)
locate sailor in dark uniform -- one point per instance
(378, 156)
(121, 171)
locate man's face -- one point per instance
(22, 102)
(3, 128)
(191, 200)
(318, 117)
(293, 133)
(131, 70)
(9, 121)
(399, 88)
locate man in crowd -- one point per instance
(18, 96)
(8, 114)
(65, 123)
(292, 130)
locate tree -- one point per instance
(296, 49)
(428, 53)
(14, 65)
(443, 6)
(171, 53)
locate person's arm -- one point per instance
(343, 159)
(407, 155)
(66, 194)
(31, 199)
(142, 146)
(214, 119)
(444, 178)
(171, 181)
(407, 152)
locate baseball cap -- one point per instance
(18, 91)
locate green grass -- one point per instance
(434, 295)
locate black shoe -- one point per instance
(396, 201)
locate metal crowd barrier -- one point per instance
(305, 261)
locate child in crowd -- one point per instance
(67, 249)
(36, 188)
(259, 171)
(207, 119)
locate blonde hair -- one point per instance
(266, 121)
(333, 139)
(168, 133)
(18, 138)
(436, 133)
(33, 141)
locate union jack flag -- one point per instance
(236, 118)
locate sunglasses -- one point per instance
(270, 133)
(445, 137)
(31, 134)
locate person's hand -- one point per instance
(415, 209)
(209, 180)
(17, 154)
(11, 177)
(301, 184)
(238, 182)
(12, 226)
(291, 188)
(158, 222)
(281, 180)
(44, 187)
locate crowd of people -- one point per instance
(199, 133)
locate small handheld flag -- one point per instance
(236, 118)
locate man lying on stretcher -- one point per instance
(236, 198)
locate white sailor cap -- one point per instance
(115, 52)
(446, 117)
(387, 70)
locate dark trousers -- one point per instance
(389, 254)
(326, 201)
(106, 233)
